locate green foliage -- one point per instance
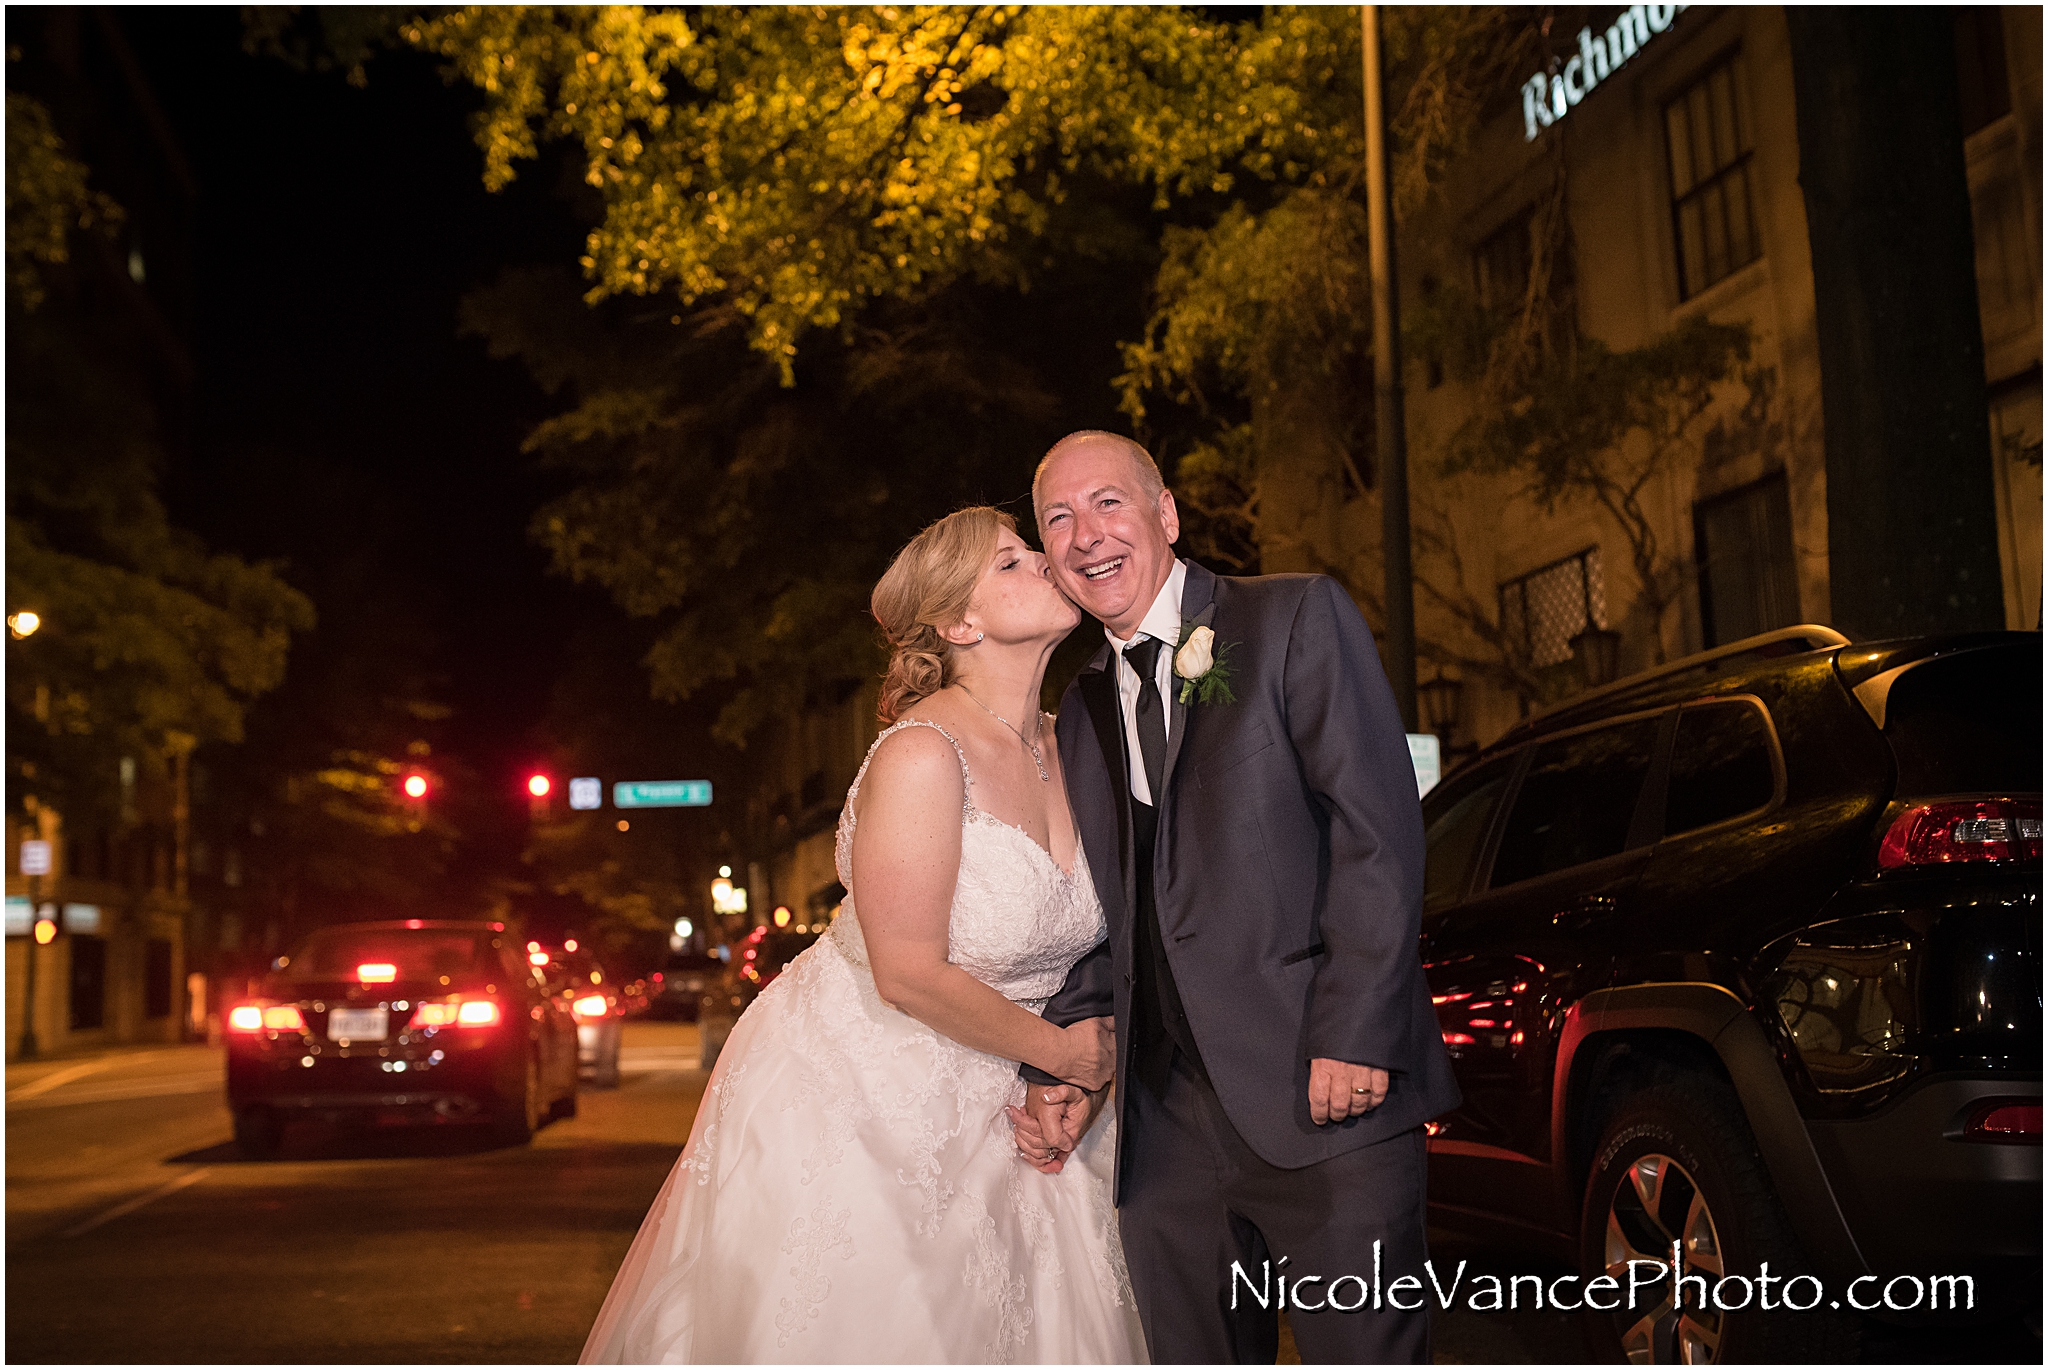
(325, 37)
(146, 634)
(751, 519)
(795, 166)
(47, 201)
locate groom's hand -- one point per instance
(1338, 1089)
(1051, 1124)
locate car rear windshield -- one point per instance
(1968, 723)
(417, 955)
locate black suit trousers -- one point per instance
(1196, 1199)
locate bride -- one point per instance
(852, 1189)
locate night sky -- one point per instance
(342, 424)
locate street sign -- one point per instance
(1425, 752)
(586, 792)
(35, 857)
(661, 794)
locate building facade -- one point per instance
(1650, 176)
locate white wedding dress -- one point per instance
(852, 1191)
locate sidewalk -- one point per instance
(167, 1063)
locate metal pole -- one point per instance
(1398, 648)
(29, 1049)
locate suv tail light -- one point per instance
(591, 1006)
(455, 1013)
(2005, 1120)
(245, 1018)
(1963, 830)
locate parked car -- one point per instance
(414, 1021)
(682, 984)
(1745, 953)
(599, 1010)
(756, 960)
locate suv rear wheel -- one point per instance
(1676, 1163)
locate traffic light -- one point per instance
(539, 786)
(415, 787)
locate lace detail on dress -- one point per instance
(810, 1240)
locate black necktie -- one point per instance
(1143, 656)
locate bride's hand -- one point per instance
(1091, 1053)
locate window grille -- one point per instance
(1544, 610)
(1708, 129)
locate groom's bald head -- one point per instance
(1145, 477)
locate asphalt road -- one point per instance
(137, 1233)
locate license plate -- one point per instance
(358, 1024)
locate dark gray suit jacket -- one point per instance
(1288, 871)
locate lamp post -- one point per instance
(29, 1049)
(1399, 647)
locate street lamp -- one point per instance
(23, 623)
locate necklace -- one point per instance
(1030, 743)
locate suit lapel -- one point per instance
(1197, 605)
(1097, 684)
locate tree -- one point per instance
(151, 644)
(835, 184)
(1603, 425)
(785, 170)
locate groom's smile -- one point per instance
(1103, 569)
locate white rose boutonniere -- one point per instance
(1202, 666)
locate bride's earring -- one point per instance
(979, 636)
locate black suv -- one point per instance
(1743, 953)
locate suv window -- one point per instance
(1969, 722)
(1455, 818)
(1720, 765)
(1576, 801)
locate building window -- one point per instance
(1543, 611)
(88, 983)
(1749, 581)
(1500, 264)
(1982, 83)
(1708, 129)
(156, 978)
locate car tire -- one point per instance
(519, 1118)
(259, 1132)
(1677, 1162)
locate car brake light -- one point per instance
(245, 1018)
(1963, 830)
(284, 1018)
(537, 958)
(455, 1013)
(592, 1006)
(376, 972)
(2005, 1120)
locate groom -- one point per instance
(1257, 846)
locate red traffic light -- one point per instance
(415, 786)
(538, 786)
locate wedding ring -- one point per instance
(1360, 1089)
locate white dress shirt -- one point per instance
(1162, 621)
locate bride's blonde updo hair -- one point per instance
(926, 589)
